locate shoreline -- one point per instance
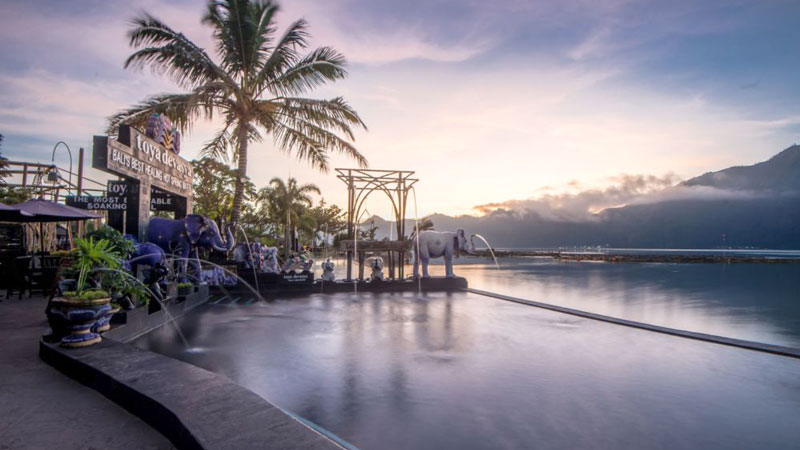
(642, 258)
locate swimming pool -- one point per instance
(466, 371)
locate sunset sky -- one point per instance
(487, 101)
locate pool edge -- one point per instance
(789, 352)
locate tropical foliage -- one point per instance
(118, 245)
(90, 254)
(256, 85)
(288, 202)
(214, 190)
(330, 221)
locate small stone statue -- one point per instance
(377, 269)
(327, 270)
(299, 262)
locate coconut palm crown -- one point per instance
(256, 85)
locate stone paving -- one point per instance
(41, 408)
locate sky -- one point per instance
(491, 103)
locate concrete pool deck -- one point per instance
(41, 408)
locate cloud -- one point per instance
(624, 190)
(583, 205)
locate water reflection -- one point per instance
(757, 302)
(466, 371)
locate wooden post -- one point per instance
(361, 257)
(80, 170)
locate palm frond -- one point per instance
(334, 114)
(183, 109)
(171, 53)
(317, 68)
(315, 143)
(242, 31)
(295, 142)
(285, 54)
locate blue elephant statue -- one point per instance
(180, 237)
(152, 256)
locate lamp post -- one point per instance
(53, 160)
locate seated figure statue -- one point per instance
(270, 261)
(377, 269)
(327, 270)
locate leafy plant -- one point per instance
(90, 254)
(119, 245)
(122, 284)
(184, 285)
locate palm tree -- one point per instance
(256, 86)
(289, 202)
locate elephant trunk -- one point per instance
(470, 250)
(226, 246)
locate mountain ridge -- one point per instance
(740, 206)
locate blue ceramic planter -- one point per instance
(76, 322)
(103, 323)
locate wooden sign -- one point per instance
(134, 155)
(92, 202)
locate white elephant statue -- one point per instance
(434, 244)
(376, 264)
(327, 270)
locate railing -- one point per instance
(33, 178)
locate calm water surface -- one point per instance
(465, 371)
(757, 302)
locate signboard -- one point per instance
(150, 171)
(162, 202)
(294, 277)
(92, 202)
(120, 188)
(134, 155)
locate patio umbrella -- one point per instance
(39, 210)
(8, 213)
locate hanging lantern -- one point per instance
(52, 174)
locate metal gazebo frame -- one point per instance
(360, 184)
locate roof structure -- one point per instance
(396, 184)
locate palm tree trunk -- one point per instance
(238, 195)
(287, 235)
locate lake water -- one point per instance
(757, 302)
(466, 371)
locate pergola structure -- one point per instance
(360, 184)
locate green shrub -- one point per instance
(185, 285)
(117, 243)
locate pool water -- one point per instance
(466, 371)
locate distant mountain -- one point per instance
(780, 174)
(743, 206)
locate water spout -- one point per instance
(241, 280)
(488, 246)
(417, 261)
(171, 319)
(250, 252)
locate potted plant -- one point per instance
(74, 315)
(185, 289)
